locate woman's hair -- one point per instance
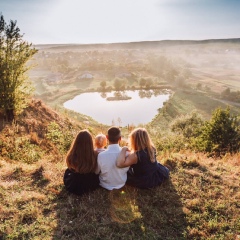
(140, 140)
(81, 156)
(100, 140)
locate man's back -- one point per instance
(111, 177)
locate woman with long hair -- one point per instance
(144, 171)
(81, 161)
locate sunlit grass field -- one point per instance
(200, 201)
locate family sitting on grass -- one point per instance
(114, 166)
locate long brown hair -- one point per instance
(81, 156)
(140, 140)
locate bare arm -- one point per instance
(125, 160)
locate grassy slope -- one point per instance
(201, 200)
(184, 102)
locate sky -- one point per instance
(110, 21)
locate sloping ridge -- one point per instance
(34, 118)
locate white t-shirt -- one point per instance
(111, 177)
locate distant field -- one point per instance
(64, 71)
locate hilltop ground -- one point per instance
(200, 201)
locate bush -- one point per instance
(22, 150)
(188, 125)
(61, 138)
(173, 142)
(221, 134)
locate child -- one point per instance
(100, 142)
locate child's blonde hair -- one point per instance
(100, 140)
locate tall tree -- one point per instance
(15, 88)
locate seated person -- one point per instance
(100, 142)
(81, 160)
(110, 176)
(145, 171)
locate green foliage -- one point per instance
(184, 130)
(188, 125)
(20, 149)
(62, 139)
(221, 134)
(173, 142)
(14, 54)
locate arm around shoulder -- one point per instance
(126, 159)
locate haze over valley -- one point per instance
(212, 66)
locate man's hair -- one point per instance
(114, 134)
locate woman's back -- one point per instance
(144, 166)
(81, 160)
(146, 174)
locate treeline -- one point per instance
(229, 95)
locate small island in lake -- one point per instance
(118, 98)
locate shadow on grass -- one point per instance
(128, 213)
(38, 178)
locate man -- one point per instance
(110, 176)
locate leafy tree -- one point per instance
(103, 84)
(226, 92)
(118, 84)
(14, 54)
(142, 82)
(149, 83)
(221, 134)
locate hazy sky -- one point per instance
(105, 21)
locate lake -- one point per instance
(140, 108)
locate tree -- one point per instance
(15, 88)
(221, 134)
(118, 84)
(142, 82)
(103, 84)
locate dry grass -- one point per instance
(201, 201)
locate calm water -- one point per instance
(135, 111)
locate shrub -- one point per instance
(220, 134)
(188, 125)
(61, 138)
(173, 142)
